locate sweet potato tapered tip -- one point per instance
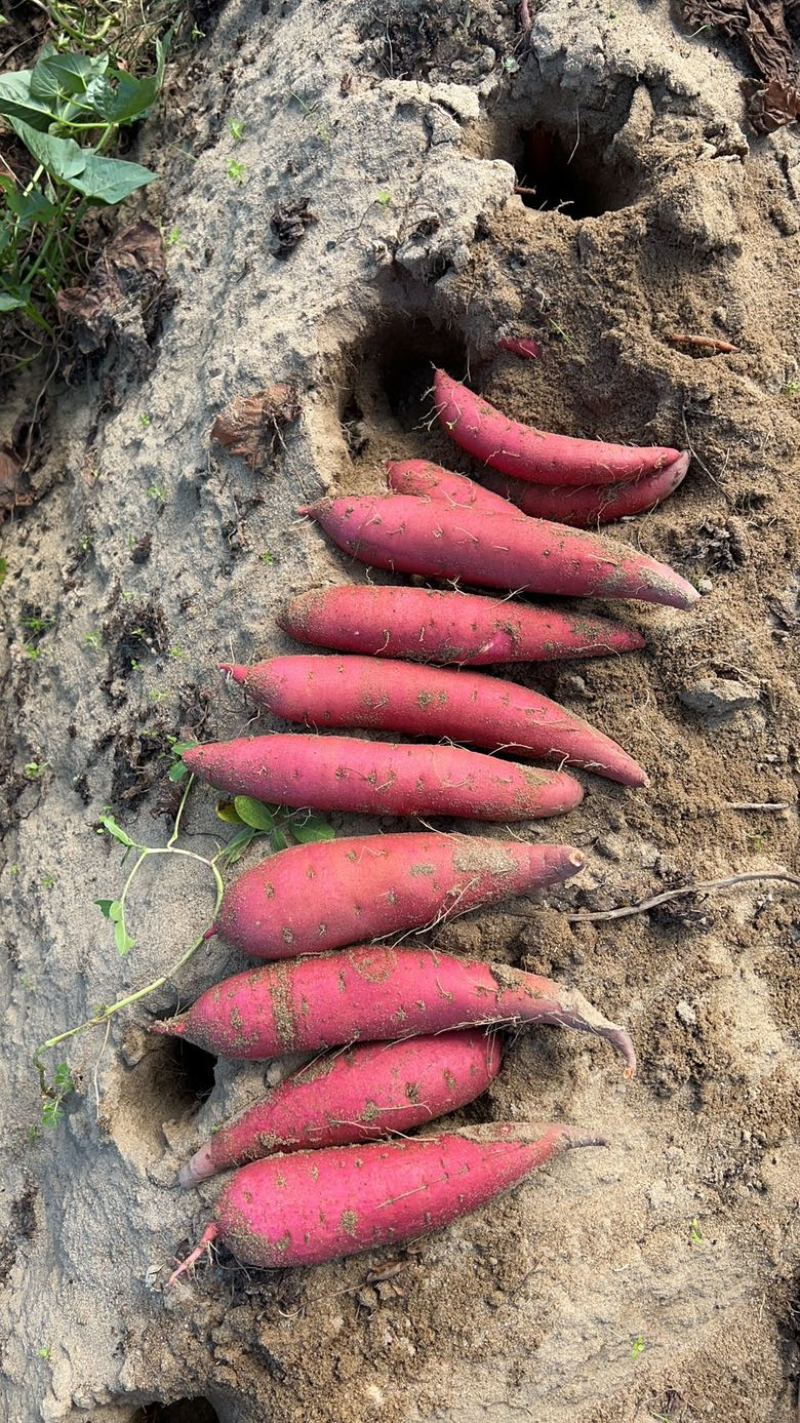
(236, 670)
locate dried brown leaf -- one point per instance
(251, 426)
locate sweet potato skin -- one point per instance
(322, 1205)
(465, 629)
(592, 505)
(342, 773)
(375, 994)
(425, 480)
(435, 703)
(371, 1091)
(536, 455)
(324, 895)
(405, 534)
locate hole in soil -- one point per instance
(388, 381)
(558, 173)
(191, 1073)
(184, 1410)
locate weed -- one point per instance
(638, 1347)
(267, 557)
(93, 639)
(145, 420)
(237, 128)
(32, 651)
(384, 199)
(44, 1353)
(35, 770)
(696, 1234)
(67, 112)
(157, 494)
(237, 172)
(173, 237)
(49, 881)
(792, 387)
(3, 570)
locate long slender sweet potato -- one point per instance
(323, 895)
(370, 1091)
(536, 455)
(427, 480)
(593, 505)
(321, 1205)
(411, 535)
(425, 625)
(434, 703)
(376, 778)
(376, 994)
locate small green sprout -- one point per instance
(35, 770)
(48, 881)
(157, 494)
(44, 1353)
(93, 639)
(145, 420)
(384, 199)
(237, 129)
(267, 557)
(173, 237)
(696, 1234)
(237, 172)
(638, 1347)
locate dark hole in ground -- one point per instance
(171, 1082)
(193, 1073)
(568, 173)
(390, 378)
(184, 1410)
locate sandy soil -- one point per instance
(658, 1279)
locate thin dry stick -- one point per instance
(759, 805)
(624, 911)
(703, 343)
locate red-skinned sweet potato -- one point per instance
(592, 505)
(321, 1205)
(370, 1091)
(406, 534)
(537, 455)
(426, 625)
(376, 994)
(378, 778)
(426, 480)
(435, 703)
(323, 895)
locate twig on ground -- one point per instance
(625, 911)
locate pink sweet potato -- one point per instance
(525, 347)
(375, 994)
(593, 505)
(406, 534)
(320, 1205)
(375, 778)
(542, 458)
(323, 895)
(432, 481)
(434, 703)
(370, 1091)
(425, 625)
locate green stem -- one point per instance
(106, 1013)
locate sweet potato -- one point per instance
(595, 504)
(432, 481)
(434, 703)
(525, 347)
(536, 455)
(406, 534)
(323, 895)
(375, 994)
(464, 628)
(370, 1091)
(375, 778)
(321, 1205)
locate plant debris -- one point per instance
(288, 223)
(12, 494)
(774, 98)
(123, 295)
(251, 426)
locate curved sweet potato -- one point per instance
(379, 778)
(323, 895)
(435, 703)
(425, 625)
(370, 1091)
(321, 1205)
(375, 994)
(410, 535)
(536, 455)
(595, 504)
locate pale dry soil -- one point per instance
(657, 1279)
